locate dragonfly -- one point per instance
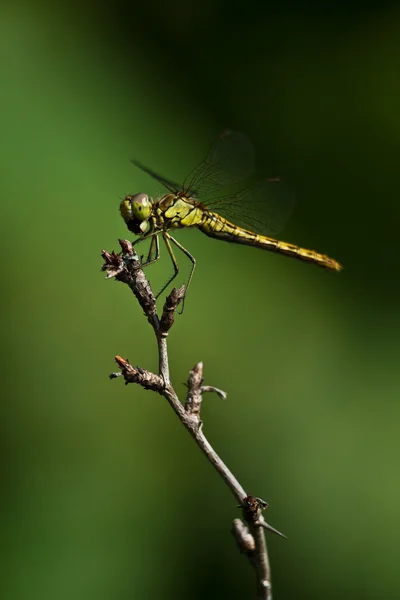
(248, 215)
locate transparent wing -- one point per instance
(170, 185)
(263, 208)
(230, 159)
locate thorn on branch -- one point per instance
(262, 523)
(148, 380)
(252, 513)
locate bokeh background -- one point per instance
(104, 495)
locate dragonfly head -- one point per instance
(136, 211)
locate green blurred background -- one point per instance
(104, 493)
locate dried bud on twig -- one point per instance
(171, 304)
(131, 374)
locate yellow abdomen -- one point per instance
(217, 227)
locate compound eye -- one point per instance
(140, 205)
(139, 198)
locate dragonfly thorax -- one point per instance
(175, 211)
(136, 211)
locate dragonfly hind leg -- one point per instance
(168, 239)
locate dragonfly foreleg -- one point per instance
(154, 246)
(154, 251)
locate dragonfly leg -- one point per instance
(192, 260)
(154, 246)
(154, 251)
(167, 238)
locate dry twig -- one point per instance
(250, 536)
